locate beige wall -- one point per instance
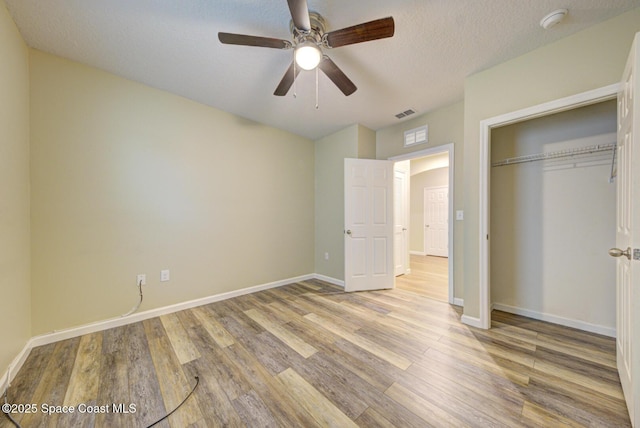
(330, 153)
(446, 126)
(587, 60)
(366, 143)
(15, 292)
(355, 141)
(127, 179)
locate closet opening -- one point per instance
(552, 218)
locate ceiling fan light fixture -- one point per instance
(309, 38)
(308, 55)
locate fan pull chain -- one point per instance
(295, 95)
(317, 103)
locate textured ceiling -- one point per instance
(173, 45)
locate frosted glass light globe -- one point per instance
(308, 56)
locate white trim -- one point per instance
(58, 335)
(417, 253)
(567, 322)
(330, 280)
(10, 374)
(422, 153)
(571, 102)
(448, 148)
(556, 106)
(485, 176)
(458, 302)
(472, 321)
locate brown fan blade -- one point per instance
(300, 14)
(287, 81)
(337, 76)
(373, 30)
(246, 40)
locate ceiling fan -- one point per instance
(309, 37)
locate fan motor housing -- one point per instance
(318, 26)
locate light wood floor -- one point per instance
(307, 354)
(429, 276)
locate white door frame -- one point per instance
(445, 148)
(569, 103)
(403, 249)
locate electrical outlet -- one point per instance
(164, 275)
(141, 279)
(326, 256)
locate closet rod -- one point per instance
(556, 154)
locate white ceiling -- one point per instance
(173, 45)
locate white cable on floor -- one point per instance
(135, 308)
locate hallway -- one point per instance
(429, 275)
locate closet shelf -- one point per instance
(556, 155)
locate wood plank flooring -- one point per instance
(309, 355)
(429, 277)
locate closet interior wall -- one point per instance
(552, 221)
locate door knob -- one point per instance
(617, 252)
(348, 232)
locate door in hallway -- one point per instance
(436, 221)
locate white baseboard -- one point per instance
(458, 301)
(417, 253)
(16, 364)
(567, 322)
(58, 335)
(472, 321)
(330, 280)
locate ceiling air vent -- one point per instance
(405, 113)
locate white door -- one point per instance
(401, 177)
(436, 221)
(628, 235)
(368, 216)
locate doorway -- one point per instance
(486, 126)
(553, 215)
(429, 272)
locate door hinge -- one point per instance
(636, 254)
